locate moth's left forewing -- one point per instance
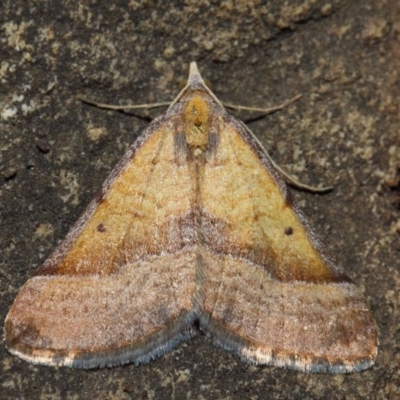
(270, 292)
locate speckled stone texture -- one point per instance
(55, 152)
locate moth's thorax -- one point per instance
(197, 117)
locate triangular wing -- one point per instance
(270, 293)
(108, 295)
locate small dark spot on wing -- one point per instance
(289, 231)
(101, 228)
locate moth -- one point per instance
(194, 226)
